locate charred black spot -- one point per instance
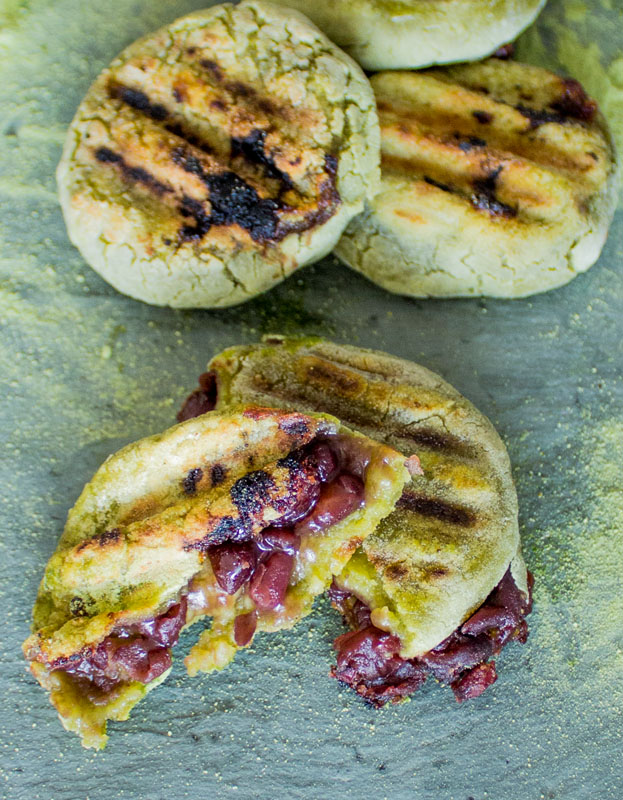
(443, 186)
(251, 492)
(193, 208)
(574, 101)
(217, 474)
(212, 67)
(331, 164)
(484, 117)
(107, 156)
(132, 174)
(292, 461)
(294, 427)
(232, 202)
(191, 480)
(240, 89)
(218, 105)
(77, 607)
(140, 101)
(484, 197)
(266, 105)
(538, 116)
(178, 131)
(472, 142)
(432, 507)
(228, 529)
(252, 148)
(396, 572)
(102, 539)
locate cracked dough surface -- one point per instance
(398, 34)
(217, 155)
(492, 183)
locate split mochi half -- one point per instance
(441, 586)
(242, 516)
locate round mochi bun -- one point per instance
(404, 34)
(498, 179)
(432, 562)
(217, 155)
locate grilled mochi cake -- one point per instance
(215, 156)
(399, 34)
(241, 516)
(498, 179)
(441, 586)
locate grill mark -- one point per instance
(327, 374)
(433, 440)
(484, 197)
(238, 88)
(132, 174)
(252, 148)
(470, 143)
(329, 201)
(443, 186)
(212, 67)
(572, 103)
(102, 539)
(232, 202)
(421, 437)
(438, 509)
(228, 529)
(538, 117)
(138, 100)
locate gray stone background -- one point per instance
(86, 370)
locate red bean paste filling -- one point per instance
(326, 486)
(201, 400)
(368, 658)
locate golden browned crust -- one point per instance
(498, 179)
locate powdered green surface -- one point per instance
(86, 370)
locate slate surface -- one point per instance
(86, 370)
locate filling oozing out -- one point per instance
(368, 658)
(333, 470)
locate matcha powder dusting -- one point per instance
(579, 597)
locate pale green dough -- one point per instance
(405, 34)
